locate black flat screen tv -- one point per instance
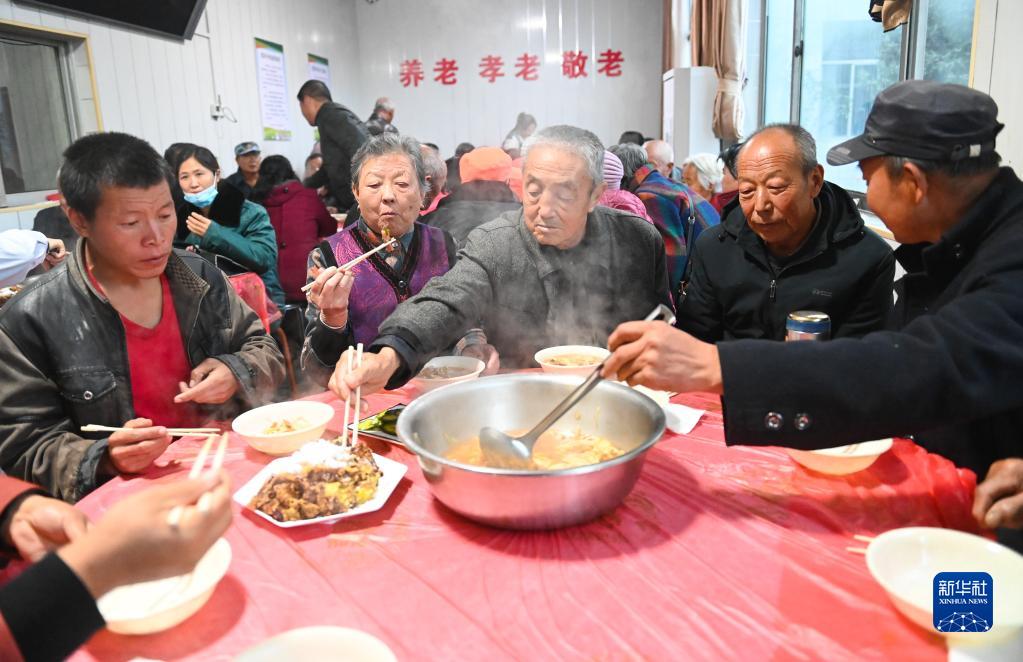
(170, 18)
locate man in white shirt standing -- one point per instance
(23, 250)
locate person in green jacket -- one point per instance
(218, 219)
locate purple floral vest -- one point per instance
(378, 289)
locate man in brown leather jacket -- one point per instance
(130, 333)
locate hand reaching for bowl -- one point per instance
(998, 501)
(330, 292)
(659, 356)
(133, 542)
(374, 373)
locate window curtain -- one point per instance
(890, 13)
(719, 41)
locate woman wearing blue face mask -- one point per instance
(218, 219)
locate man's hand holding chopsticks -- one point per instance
(211, 383)
(134, 542)
(133, 450)
(372, 375)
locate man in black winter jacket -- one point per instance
(341, 135)
(793, 242)
(950, 374)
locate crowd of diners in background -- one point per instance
(164, 286)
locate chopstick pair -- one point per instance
(174, 432)
(355, 352)
(860, 550)
(351, 263)
(174, 517)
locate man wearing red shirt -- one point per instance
(130, 333)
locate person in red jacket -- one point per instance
(49, 610)
(300, 220)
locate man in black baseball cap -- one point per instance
(950, 370)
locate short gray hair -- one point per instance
(632, 156)
(383, 103)
(391, 143)
(709, 169)
(805, 144)
(585, 144)
(659, 150)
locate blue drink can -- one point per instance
(808, 325)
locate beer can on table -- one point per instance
(808, 325)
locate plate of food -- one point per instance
(324, 481)
(382, 425)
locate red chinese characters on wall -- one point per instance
(411, 73)
(446, 71)
(491, 68)
(610, 63)
(527, 67)
(574, 64)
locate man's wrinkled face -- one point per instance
(776, 195)
(131, 231)
(249, 163)
(894, 200)
(558, 194)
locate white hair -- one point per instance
(581, 142)
(708, 170)
(659, 151)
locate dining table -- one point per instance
(719, 552)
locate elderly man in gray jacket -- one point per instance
(560, 271)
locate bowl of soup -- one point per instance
(445, 370)
(581, 469)
(570, 359)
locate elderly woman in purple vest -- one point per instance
(347, 307)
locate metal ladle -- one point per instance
(509, 451)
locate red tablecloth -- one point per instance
(718, 553)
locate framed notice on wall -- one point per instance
(319, 69)
(273, 90)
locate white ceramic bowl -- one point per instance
(324, 643)
(905, 561)
(422, 385)
(155, 606)
(843, 459)
(251, 425)
(544, 356)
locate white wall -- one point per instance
(476, 111)
(996, 70)
(161, 89)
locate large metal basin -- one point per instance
(520, 498)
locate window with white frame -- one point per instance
(37, 119)
(825, 61)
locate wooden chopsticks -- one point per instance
(354, 355)
(860, 550)
(174, 432)
(348, 265)
(174, 518)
